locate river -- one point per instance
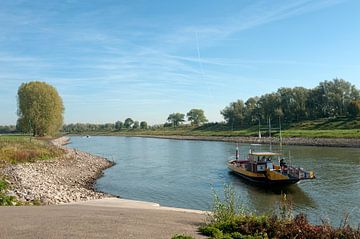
(184, 173)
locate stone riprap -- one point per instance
(69, 178)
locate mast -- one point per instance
(270, 133)
(280, 133)
(259, 129)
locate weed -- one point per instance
(182, 237)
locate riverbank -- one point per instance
(65, 179)
(322, 142)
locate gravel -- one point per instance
(66, 179)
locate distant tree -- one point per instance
(354, 108)
(176, 118)
(252, 113)
(40, 109)
(234, 114)
(136, 125)
(332, 98)
(119, 125)
(6, 129)
(143, 125)
(196, 117)
(108, 126)
(128, 123)
(269, 103)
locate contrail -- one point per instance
(201, 65)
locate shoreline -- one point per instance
(319, 142)
(69, 178)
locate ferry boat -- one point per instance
(267, 168)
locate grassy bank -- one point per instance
(21, 149)
(322, 128)
(229, 220)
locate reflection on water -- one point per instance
(184, 173)
(271, 196)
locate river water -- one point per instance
(183, 173)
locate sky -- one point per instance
(110, 60)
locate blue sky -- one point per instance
(111, 60)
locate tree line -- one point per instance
(128, 124)
(329, 99)
(40, 109)
(195, 116)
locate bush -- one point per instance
(4, 199)
(228, 222)
(182, 237)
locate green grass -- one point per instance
(229, 221)
(19, 149)
(335, 133)
(322, 128)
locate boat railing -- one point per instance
(300, 173)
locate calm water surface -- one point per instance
(183, 173)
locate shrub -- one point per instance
(227, 222)
(182, 237)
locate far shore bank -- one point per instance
(320, 142)
(69, 178)
(323, 142)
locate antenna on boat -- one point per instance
(237, 151)
(270, 133)
(280, 134)
(259, 129)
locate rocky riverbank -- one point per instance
(327, 142)
(69, 178)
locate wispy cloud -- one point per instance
(94, 54)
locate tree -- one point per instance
(128, 123)
(332, 98)
(143, 125)
(176, 118)
(40, 109)
(234, 114)
(136, 125)
(252, 113)
(119, 125)
(196, 117)
(354, 108)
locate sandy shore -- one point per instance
(326, 142)
(61, 180)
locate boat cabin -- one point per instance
(260, 161)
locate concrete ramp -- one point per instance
(126, 203)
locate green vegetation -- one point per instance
(5, 200)
(128, 123)
(330, 110)
(196, 117)
(228, 220)
(40, 109)
(182, 237)
(290, 105)
(19, 149)
(175, 119)
(341, 127)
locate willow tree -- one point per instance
(40, 109)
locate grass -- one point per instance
(20, 149)
(322, 128)
(227, 221)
